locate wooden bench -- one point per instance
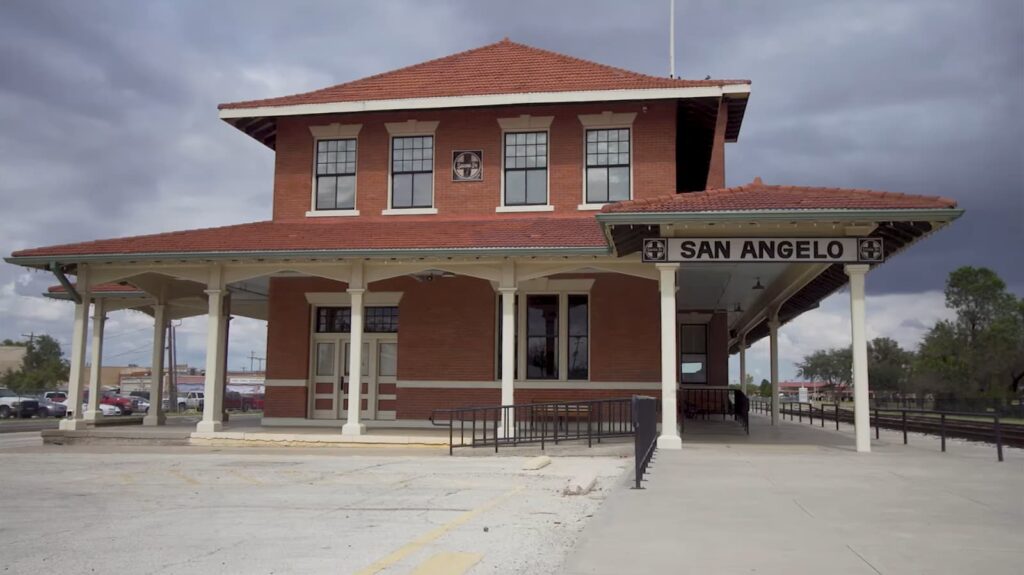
(568, 410)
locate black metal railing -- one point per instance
(706, 403)
(645, 422)
(510, 425)
(969, 425)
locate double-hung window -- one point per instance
(336, 174)
(608, 162)
(557, 337)
(412, 172)
(526, 169)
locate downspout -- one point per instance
(63, 279)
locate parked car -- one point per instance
(141, 404)
(127, 404)
(48, 408)
(56, 396)
(15, 405)
(191, 400)
(140, 395)
(105, 409)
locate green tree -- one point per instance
(981, 351)
(833, 366)
(42, 367)
(765, 389)
(889, 366)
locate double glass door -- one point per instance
(333, 388)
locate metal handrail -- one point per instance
(510, 425)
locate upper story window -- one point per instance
(526, 169)
(376, 319)
(336, 174)
(412, 172)
(608, 163)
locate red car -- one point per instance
(127, 404)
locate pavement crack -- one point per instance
(861, 557)
(805, 510)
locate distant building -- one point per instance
(10, 357)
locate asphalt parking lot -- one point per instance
(171, 510)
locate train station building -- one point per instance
(505, 225)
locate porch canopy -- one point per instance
(223, 271)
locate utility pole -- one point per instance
(31, 337)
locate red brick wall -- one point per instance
(417, 403)
(718, 350)
(285, 402)
(447, 330)
(654, 169)
(716, 170)
(288, 328)
(625, 329)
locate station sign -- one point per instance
(794, 250)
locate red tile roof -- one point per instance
(758, 196)
(501, 68)
(401, 233)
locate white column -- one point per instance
(99, 321)
(861, 417)
(156, 386)
(669, 438)
(773, 336)
(508, 351)
(78, 335)
(743, 363)
(355, 354)
(214, 383)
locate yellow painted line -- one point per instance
(434, 534)
(127, 479)
(183, 477)
(448, 564)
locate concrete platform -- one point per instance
(800, 499)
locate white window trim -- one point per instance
(514, 126)
(606, 121)
(563, 289)
(409, 129)
(334, 131)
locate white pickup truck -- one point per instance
(191, 400)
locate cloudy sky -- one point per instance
(108, 120)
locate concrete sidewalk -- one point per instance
(809, 503)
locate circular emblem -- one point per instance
(655, 250)
(467, 166)
(870, 250)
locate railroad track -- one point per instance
(1011, 434)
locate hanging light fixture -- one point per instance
(758, 284)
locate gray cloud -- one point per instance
(110, 129)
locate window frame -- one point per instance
(563, 289)
(546, 206)
(318, 211)
(606, 120)
(334, 131)
(706, 353)
(432, 208)
(587, 204)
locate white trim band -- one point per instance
(487, 100)
(534, 384)
(285, 383)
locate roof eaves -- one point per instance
(900, 214)
(38, 260)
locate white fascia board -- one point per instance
(485, 100)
